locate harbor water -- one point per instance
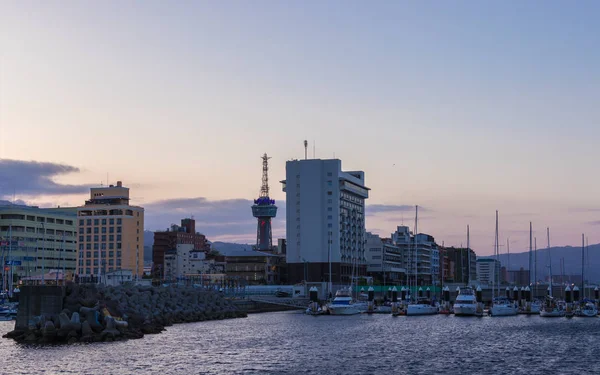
(294, 343)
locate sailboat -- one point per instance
(344, 303)
(501, 306)
(588, 310)
(551, 308)
(420, 305)
(533, 306)
(466, 301)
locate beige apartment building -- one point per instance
(111, 233)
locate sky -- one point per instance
(460, 107)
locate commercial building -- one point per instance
(36, 240)
(384, 260)
(325, 221)
(111, 233)
(464, 263)
(186, 262)
(488, 271)
(176, 235)
(254, 267)
(427, 255)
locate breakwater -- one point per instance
(92, 313)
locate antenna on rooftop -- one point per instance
(305, 149)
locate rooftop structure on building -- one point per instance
(325, 221)
(264, 210)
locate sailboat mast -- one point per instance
(535, 260)
(468, 258)
(582, 264)
(508, 259)
(549, 258)
(496, 251)
(530, 252)
(329, 287)
(416, 249)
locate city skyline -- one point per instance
(442, 106)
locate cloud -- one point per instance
(594, 222)
(385, 208)
(219, 220)
(32, 179)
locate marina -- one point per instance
(293, 343)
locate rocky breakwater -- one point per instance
(95, 313)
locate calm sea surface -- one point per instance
(293, 343)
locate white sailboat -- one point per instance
(420, 306)
(344, 302)
(551, 308)
(501, 306)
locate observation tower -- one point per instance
(264, 209)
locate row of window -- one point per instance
(21, 229)
(39, 219)
(98, 230)
(98, 246)
(111, 254)
(111, 238)
(100, 221)
(88, 262)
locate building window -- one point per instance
(96, 230)
(118, 262)
(88, 271)
(118, 229)
(96, 246)
(111, 245)
(88, 254)
(103, 246)
(111, 221)
(80, 246)
(103, 221)
(80, 238)
(95, 254)
(111, 254)
(88, 262)
(118, 237)
(88, 230)
(103, 229)
(96, 221)
(118, 245)
(88, 238)
(118, 254)
(111, 230)
(104, 238)
(119, 221)
(96, 238)
(111, 237)
(88, 246)
(81, 222)
(111, 262)
(89, 221)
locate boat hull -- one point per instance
(351, 309)
(465, 310)
(413, 310)
(503, 310)
(552, 314)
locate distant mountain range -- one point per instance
(572, 261)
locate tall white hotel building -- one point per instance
(324, 203)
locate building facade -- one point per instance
(488, 272)
(111, 233)
(384, 260)
(464, 262)
(168, 240)
(37, 240)
(420, 254)
(185, 262)
(254, 267)
(325, 221)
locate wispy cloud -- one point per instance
(33, 179)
